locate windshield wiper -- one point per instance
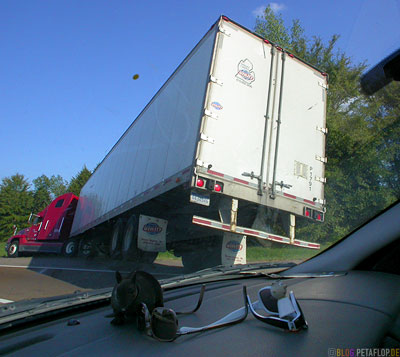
(223, 272)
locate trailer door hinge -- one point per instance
(322, 202)
(322, 130)
(204, 137)
(322, 159)
(320, 179)
(221, 29)
(210, 114)
(215, 80)
(203, 164)
(323, 85)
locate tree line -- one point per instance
(18, 198)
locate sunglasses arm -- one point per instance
(230, 319)
(203, 288)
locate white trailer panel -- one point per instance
(160, 143)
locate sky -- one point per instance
(66, 66)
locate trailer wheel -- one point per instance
(86, 248)
(13, 249)
(206, 254)
(70, 248)
(116, 237)
(129, 248)
(129, 241)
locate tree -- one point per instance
(363, 142)
(16, 202)
(46, 190)
(79, 180)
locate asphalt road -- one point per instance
(44, 276)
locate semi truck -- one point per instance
(235, 136)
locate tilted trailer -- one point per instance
(237, 130)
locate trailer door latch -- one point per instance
(283, 185)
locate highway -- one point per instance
(43, 276)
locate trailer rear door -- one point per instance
(239, 130)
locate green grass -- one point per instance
(270, 254)
(167, 256)
(281, 253)
(2, 251)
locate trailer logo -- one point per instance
(234, 246)
(245, 72)
(152, 228)
(217, 105)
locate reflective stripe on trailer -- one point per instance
(252, 232)
(231, 178)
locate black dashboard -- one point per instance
(356, 310)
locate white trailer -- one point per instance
(239, 125)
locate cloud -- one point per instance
(275, 7)
(259, 11)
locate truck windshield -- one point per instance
(219, 141)
(35, 219)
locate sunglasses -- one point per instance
(162, 323)
(284, 312)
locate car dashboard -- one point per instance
(353, 310)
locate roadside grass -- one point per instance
(267, 254)
(167, 256)
(281, 253)
(2, 251)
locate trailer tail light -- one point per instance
(200, 182)
(209, 184)
(218, 187)
(318, 216)
(313, 214)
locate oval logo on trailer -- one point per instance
(216, 105)
(245, 73)
(234, 246)
(152, 228)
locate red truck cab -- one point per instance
(49, 230)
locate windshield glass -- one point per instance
(180, 142)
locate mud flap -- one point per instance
(152, 235)
(233, 249)
(233, 245)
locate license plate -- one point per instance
(200, 199)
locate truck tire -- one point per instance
(129, 248)
(116, 238)
(70, 248)
(13, 249)
(86, 248)
(204, 255)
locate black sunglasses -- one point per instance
(162, 323)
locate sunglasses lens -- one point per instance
(268, 300)
(164, 324)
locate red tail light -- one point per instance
(200, 182)
(313, 214)
(217, 187)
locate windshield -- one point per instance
(181, 142)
